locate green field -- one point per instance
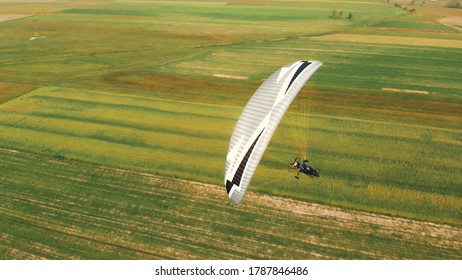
(66, 209)
(155, 88)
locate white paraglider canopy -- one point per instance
(258, 122)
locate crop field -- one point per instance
(99, 212)
(150, 134)
(115, 119)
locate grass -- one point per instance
(131, 85)
(359, 159)
(150, 132)
(383, 166)
(67, 209)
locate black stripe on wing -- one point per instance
(297, 73)
(240, 170)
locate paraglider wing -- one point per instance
(258, 122)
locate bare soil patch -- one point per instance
(391, 40)
(453, 22)
(230, 77)
(406, 90)
(248, 2)
(7, 17)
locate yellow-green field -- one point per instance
(119, 114)
(66, 209)
(372, 165)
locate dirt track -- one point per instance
(364, 235)
(7, 17)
